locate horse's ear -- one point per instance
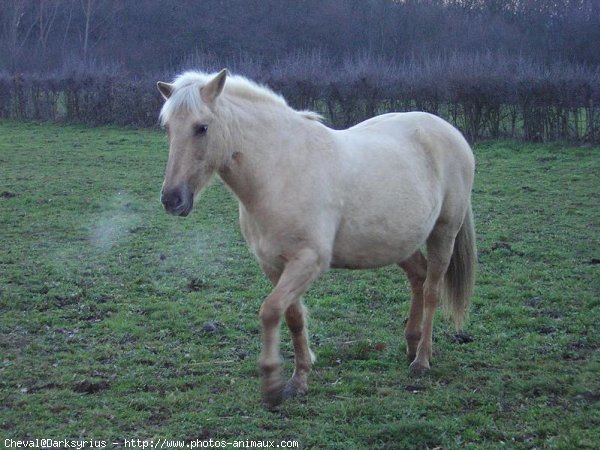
(165, 89)
(213, 88)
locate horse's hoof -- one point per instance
(291, 390)
(273, 397)
(418, 369)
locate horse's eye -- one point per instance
(200, 130)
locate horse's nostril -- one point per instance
(177, 201)
(172, 200)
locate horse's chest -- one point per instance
(260, 240)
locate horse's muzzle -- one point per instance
(178, 201)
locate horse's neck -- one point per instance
(257, 145)
(265, 145)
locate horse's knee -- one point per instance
(412, 336)
(269, 315)
(269, 366)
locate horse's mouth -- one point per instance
(181, 211)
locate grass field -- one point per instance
(118, 321)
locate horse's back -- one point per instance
(425, 131)
(416, 145)
(414, 142)
(448, 155)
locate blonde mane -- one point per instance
(187, 87)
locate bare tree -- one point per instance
(97, 18)
(15, 30)
(46, 15)
(88, 7)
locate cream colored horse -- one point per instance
(311, 198)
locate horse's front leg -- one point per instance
(295, 317)
(298, 273)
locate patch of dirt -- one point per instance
(546, 330)
(7, 425)
(549, 312)
(7, 194)
(57, 408)
(533, 302)
(196, 284)
(595, 261)
(536, 304)
(414, 388)
(43, 387)
(591, 397)
(101, 298)
(210, 327)
(240, 353)
(578, 350)
(461, 338)
(379, 346)
(90, 387)
(67, 300)
(527, 438)
(502, 245)
(362, 349)
(159, 417)
(153, 388)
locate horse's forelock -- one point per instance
(187, 96)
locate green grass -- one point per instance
(106, 307)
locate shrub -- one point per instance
(485, 95)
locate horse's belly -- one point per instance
(368, 258)
(377, 245)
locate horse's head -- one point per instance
(189, 118)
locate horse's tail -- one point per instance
(460, 276)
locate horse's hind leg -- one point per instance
(440, 245)
(416, 270)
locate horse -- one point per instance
(313, 198)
